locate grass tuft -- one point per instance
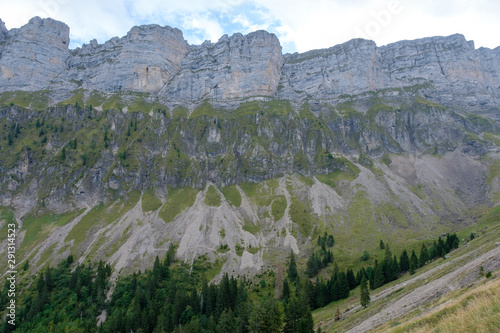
(150, 202)
(212, 197)
(178, 200)
(232, 195)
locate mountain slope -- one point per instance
(236, 153)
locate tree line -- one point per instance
(166, 298)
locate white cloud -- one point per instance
(320, 23)
(247, 25)
(208, 27)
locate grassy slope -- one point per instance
(488, 228)
(475, 310)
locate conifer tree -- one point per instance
(298, 317)
(344, 286)
(336, 290)
(365, 294)
(226, 322)
(424, 255)
(351, 279)
(440, 248)
(378, 273)
(412, 268)
(371, 277)
(286, 291)
(266, 317)
(387, 265)
(312, 266)
(404, 262)
(394, 271)
(331, 241)
(292, 267)
(414, 260)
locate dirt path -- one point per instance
(465, 275)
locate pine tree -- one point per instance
(433, 251)
(365, 294)
(424, 255)
(381, 245)
(286, 291)
(395, 268)
(226, 322)
(323, 242)
(440, 248)
(412, 268)
(335, 292)
(312, 266)
(266, 318)
(387, 265)
(322, 292)
(306, 322)
(298, 317)
(371, 277)
(292, 267)
(414, 259)
(331, 241)
(404, 262)
(378, 275)
(351, 279)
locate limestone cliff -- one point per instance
(34, 55)
(157, 60)
(235, 67)
(143, 61)
(447, 70)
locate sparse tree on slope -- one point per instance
(365, 294)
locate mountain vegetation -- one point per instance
(226, 187)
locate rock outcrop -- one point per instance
(3, 30)
(447, 70)
(235, 67)
(157, 60)
(34, 55)
(144, 60)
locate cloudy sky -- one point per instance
(301, 25)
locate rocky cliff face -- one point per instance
(235, 67)
(143, 61)
(34, 55)
(157, 60)
(448, 70)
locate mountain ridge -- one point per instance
(158, 61)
